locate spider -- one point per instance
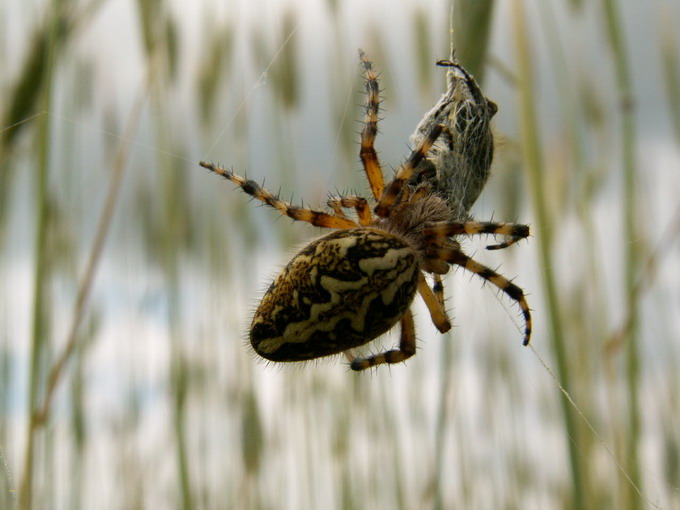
(356, 283)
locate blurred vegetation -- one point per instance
(129, 273)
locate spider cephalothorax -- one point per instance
(354, 284)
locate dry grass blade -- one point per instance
(58, 368)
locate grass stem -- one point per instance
(631, 241)
(533, 162)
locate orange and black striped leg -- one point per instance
(395, 186)
(409, 195)
(367, 153)
(438, 289)
(359, 204)
(316, 218)
(439, 231)
(434, 305)
(421, 192)
(407, 347)
(452, 254)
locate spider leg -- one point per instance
(421, 192)
(407, 347)
(359, 204)
(452, 253)
(316, 218)
(395, 186)
(334, 203)
(409, 194)
(438, 231)
(438, 289)
(367, 153)
(434, 305)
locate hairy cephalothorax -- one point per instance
(350, 286)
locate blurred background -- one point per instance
(128, 274)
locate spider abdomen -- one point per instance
(339, 292)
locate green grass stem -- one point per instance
(533, 161)
(670, 57)
(472, 33)
(632, 244)
(40, 313)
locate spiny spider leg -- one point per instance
(515, 231)
(407, 347)
(421, 192)
(504, 244)
(359, 204)
(434, 305)
(410, 195)
(395, 186)
(438, 289)
(316, 218)
(367, 153)
(452, 253)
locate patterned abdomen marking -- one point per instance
(340, 291)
